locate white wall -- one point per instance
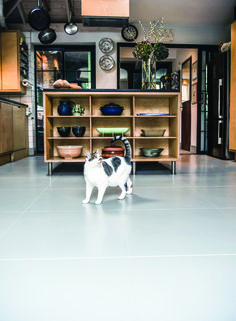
(108, 80)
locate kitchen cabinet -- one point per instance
(19, 125)
(13, 131)
(135, 103)
(13, 62)
(6, 128)
(232, 120)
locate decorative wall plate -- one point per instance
(106, 62)
(129, 32)
(106, 45)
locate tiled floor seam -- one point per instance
(118, 257)
(22, 214)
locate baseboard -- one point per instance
(17, 155)
(4, 159)
(193, 149)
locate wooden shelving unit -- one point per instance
(134, 103)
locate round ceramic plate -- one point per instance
(106, 62)
(106, 45)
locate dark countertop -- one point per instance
(111, 90)
(12, 102)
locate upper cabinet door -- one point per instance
(10, 62)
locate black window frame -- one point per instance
(66, 48)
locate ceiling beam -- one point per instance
(68, 12)
(12, 8)
(22, 12)
(47, 5)
(69, 9)
(72, 8)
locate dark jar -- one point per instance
(65, 108)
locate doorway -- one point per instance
(186, 104)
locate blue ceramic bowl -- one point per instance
(112, 109)
(78, 131)
(63, 131)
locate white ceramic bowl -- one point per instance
(69, 152)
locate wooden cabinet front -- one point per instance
(10, 62)
(19, 127)
(13, 132)
(6, 126)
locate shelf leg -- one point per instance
(173, 167)
(133, 168)
(50, 169)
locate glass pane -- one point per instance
(45, 79)
(39, 131)
(202, 141)
(78, 68)
(202, 121)
(203, 60)
(79, 77)
(49, 60)
(77, 60)
(203, 80)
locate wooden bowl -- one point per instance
(69, 152)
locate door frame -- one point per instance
(187, 103)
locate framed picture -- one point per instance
(194, 93)
(194, 71)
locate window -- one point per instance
(75, 64)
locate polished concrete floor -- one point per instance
(165, 253)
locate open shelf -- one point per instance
(134, 103)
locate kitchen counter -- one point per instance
(12, 102)
(13, 131)
(112, 90)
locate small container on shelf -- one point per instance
(69, 152)
(64, 131)
(78, 131)
(154, 152)
(110, 151)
